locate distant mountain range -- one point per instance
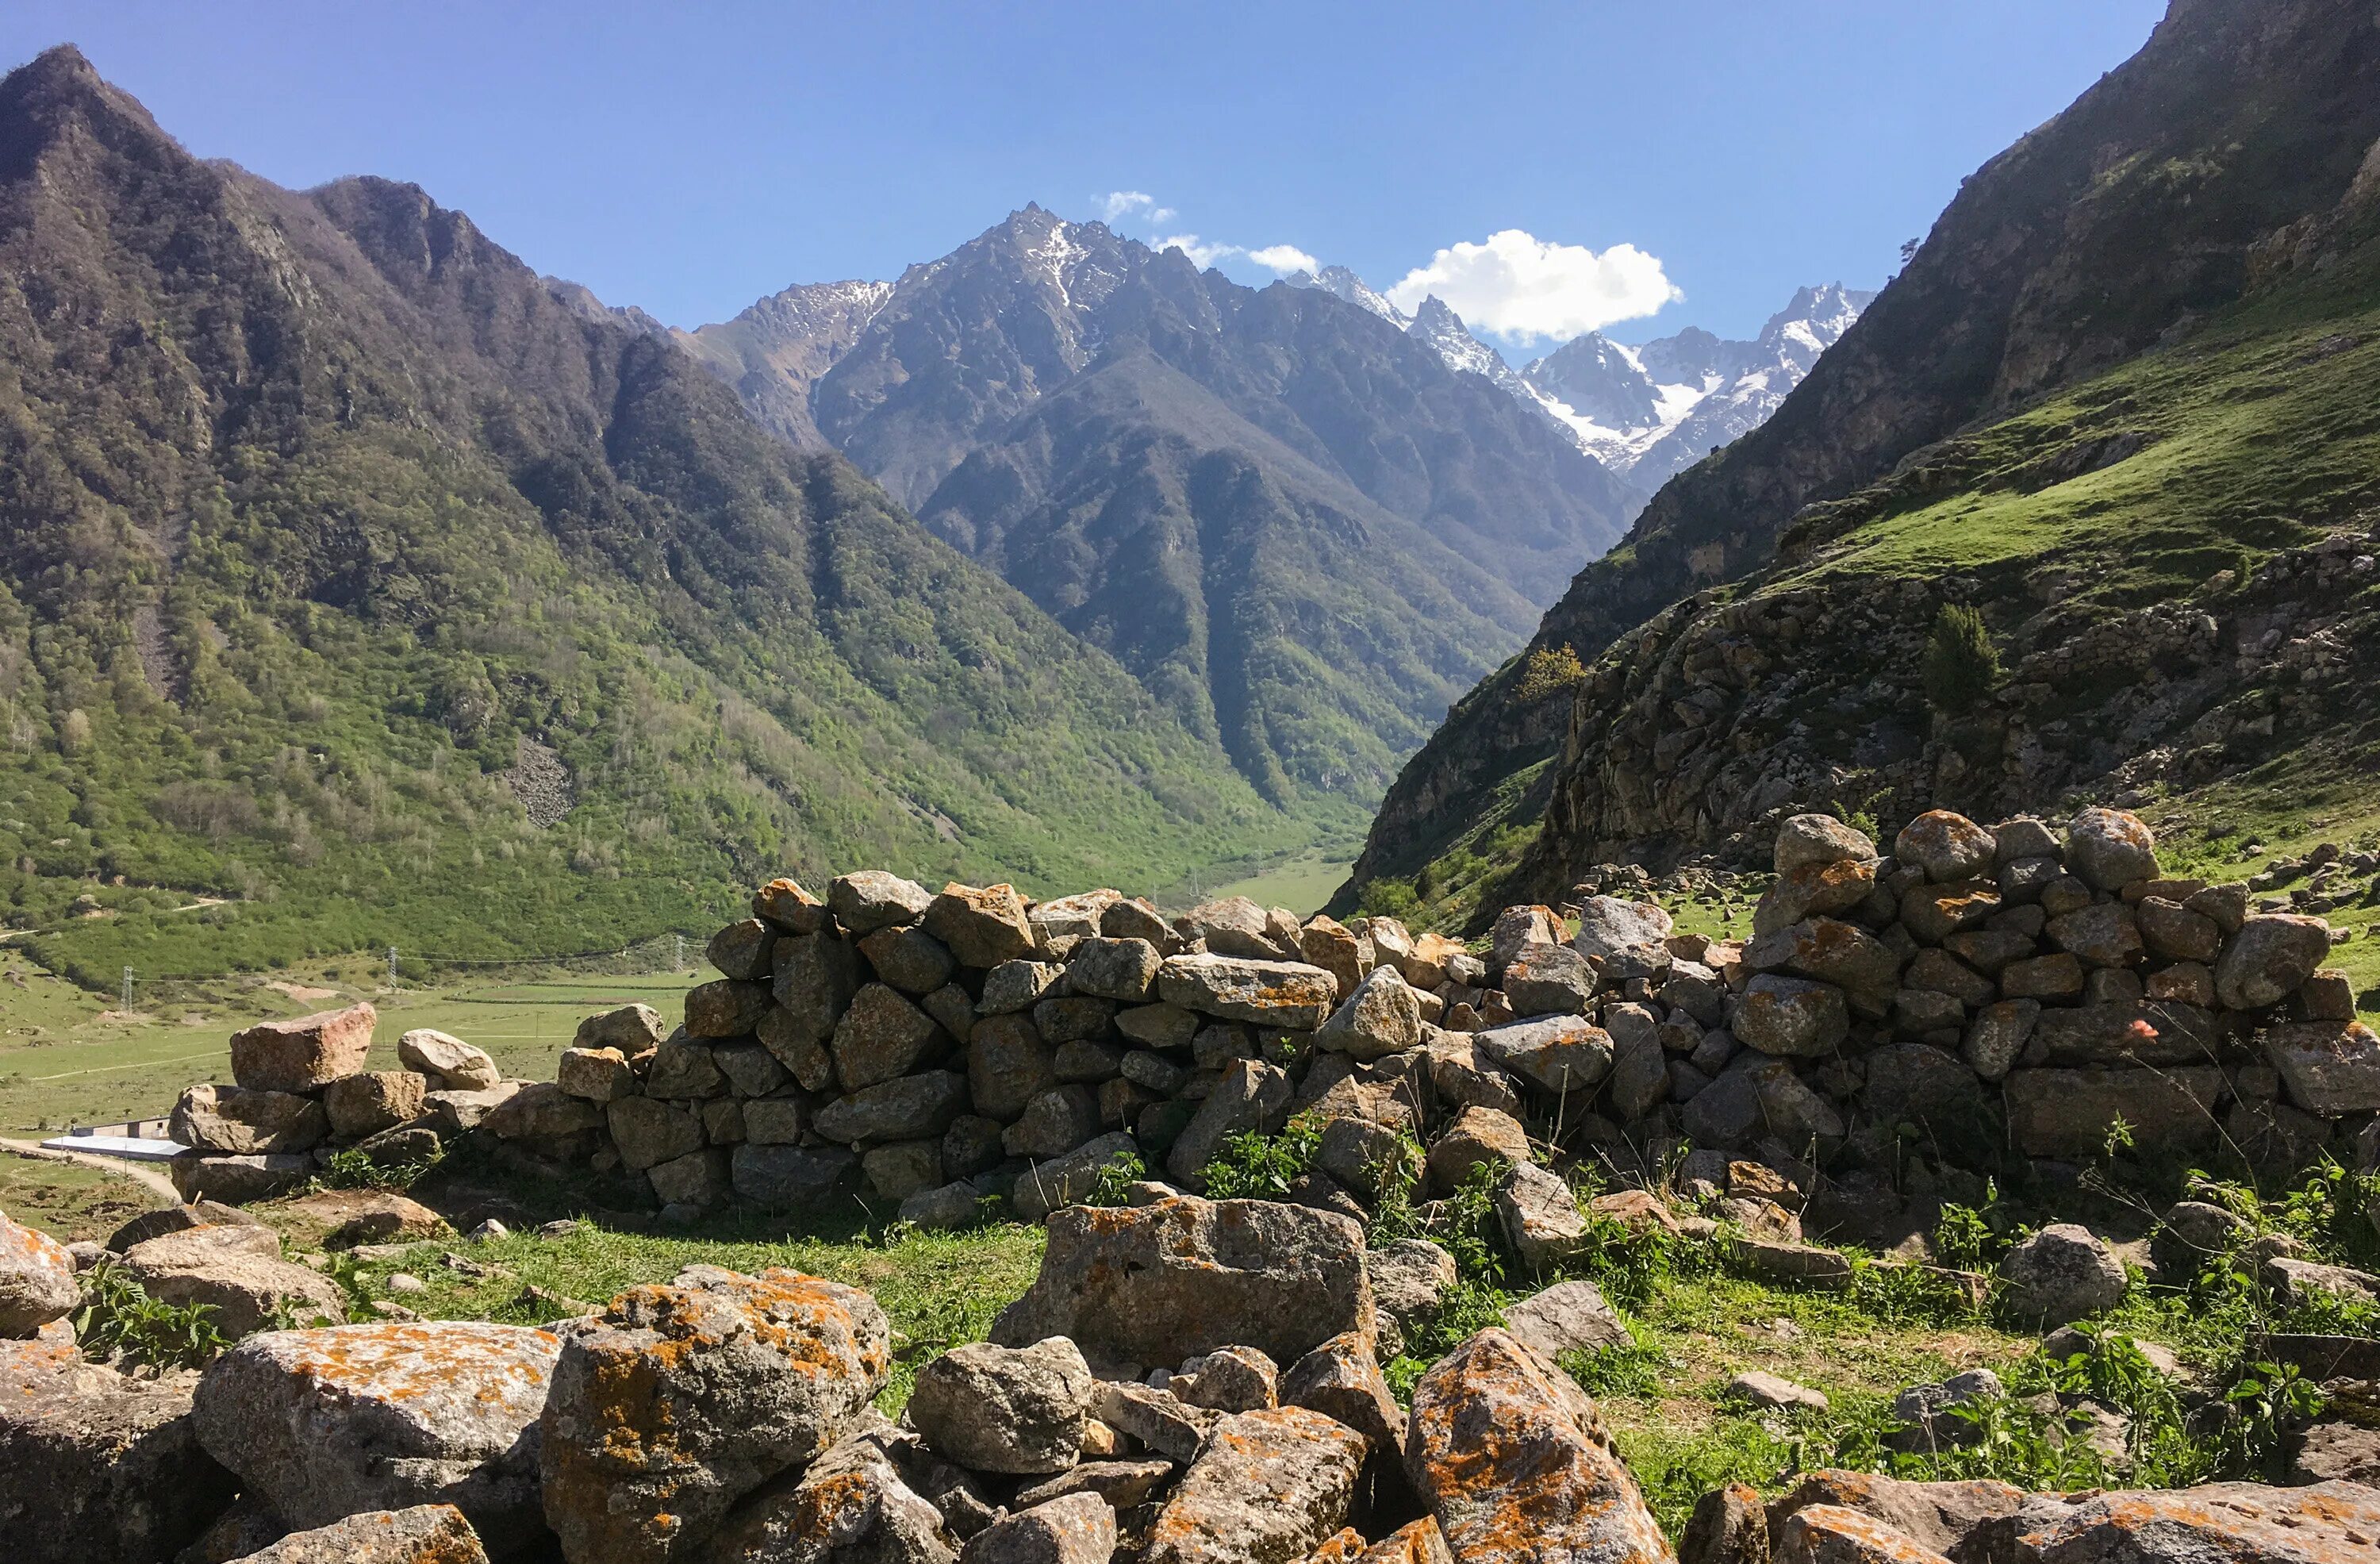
(1301, 529)
(1646, 412)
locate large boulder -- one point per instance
(322, 1423)
(1341, 1379)
(229, 1270)
(1281, 994)
(880, 1037)
(1568, 1316)
(1819, 838)
(909, 1108)
(983, 925)
(2218, 1524)
(98, 1465)
(235, 1122)
(303, 1054)
(2061, 1274)
(1156, 1284)
(1946, 846)
(680, 1399)
(2068, 1113)
(851, 1506)
(1557, 1053)
(37, 1280)
(1946, 1516)
(632, 1029)
(1512, 1459)
(430, 1533)
(1608, 925)
(1124, 970)
(1826, 1533)
(2331, 1067)
(1012, 1410)
(1268, 1487)
(374, 1100)
(791, 1177)
(1381, 1016)
(236, 1181)
(1792, 1017)
(2269, 960)
(1540, 1216)
(2108, 849)
(871, 899)
(1077, 1528)
(453, 1064)
(1252, 1096)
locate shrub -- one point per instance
(1253, 1166)
(352, 1170)
(1545, 671)
(1125, 1167)
(1962, 667)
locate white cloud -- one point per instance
(1200, 252)
(1284, 259)
(1163, 214)
(1525, 288)
(1120, 204)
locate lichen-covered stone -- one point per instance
(1012, 1409)
(1267, 1488)
(1263, 993)
(370, 1101)
(324, 1424)
(2231, 1523)
(430, 1533)
(1157, 1284)
(983, 925)
(1512, 1459)
(37, 1280)
(679, 1400)
(98, 1465)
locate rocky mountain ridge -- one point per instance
(2036, 409)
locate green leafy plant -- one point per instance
(1108, 1186)
(119, 1321)
(353, 1170)
(1962, 666)
(1254, 1165)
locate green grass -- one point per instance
(68, 1056)
(69, 1201)
(1301, 884)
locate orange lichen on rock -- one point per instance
(1516, 1463)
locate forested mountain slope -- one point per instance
(355, 575)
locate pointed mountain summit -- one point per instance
(1298, 526)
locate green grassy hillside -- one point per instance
(359, 588)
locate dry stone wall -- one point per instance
(1979, 996)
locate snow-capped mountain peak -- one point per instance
(1346, 285)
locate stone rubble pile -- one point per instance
(1185, 1382)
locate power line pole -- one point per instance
(677, 961)
(392, 966)
(128, 990)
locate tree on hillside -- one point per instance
(1962, 667)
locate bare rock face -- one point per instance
(324, 1424)
(1512, 1459)
(1155, 1284)
(239, 1122)
(430, 1533)
(303, 1055)
(37, 1280)
(679, 1400)
(1267, 1488)
(2246, 1522)
(1011, 1409)
(97, 1465)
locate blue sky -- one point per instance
(691, 158)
